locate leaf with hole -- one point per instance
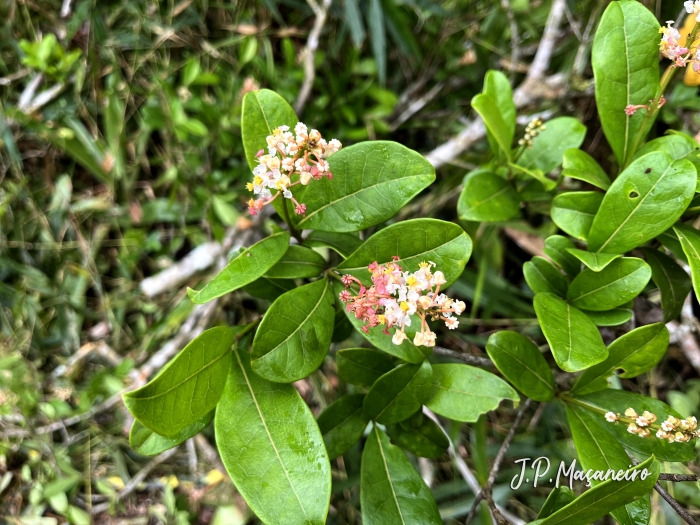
(644, 200)
(272, 448)
(574, 340)
(188, 387)
(293, 337)
(487, 197)
(521, 363)
(399, 393)
(342, 424)
(463, 392)
(619, 282)
(391, 489)
(574, 211)
(249, 265)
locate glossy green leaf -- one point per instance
(677, 144)
(635, 352)
(546, 184)
(574, 340)
(463, 392)
(342, 328)
(623, 77)
(619, 282)
(557, 247)
(497, 86)
(598, 450)
(420, 435)
(645, 200)
(413, 241)
(294, 336)
(487, 197)
(521, 363)
(673, 282)
(547, 151)
(620, 400)
(188, 387)
(297, 263)
(362, 366)
(487, 108)
(573, 212)
(263, 111)
(399, 393)
(342, 242)
(249, 265)
(690, 242)
(342, 424)
(614, 317)
(147, 443)
(606, 497)
(371, 182)
(543, 277)
(391, 489)
(558, 498)
(594, 261)
(272, 448)
(580, 165)
(270, 289)
(378, 339)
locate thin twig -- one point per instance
(467, 358)
(678, 477)
(514, 38)
(309, 53)
(485, 493)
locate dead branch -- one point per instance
(309, 53)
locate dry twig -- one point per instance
(309, 53)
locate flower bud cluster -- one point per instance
(292, 159)
(396, 295)
(531, 131)
(673, 430)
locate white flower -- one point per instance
(305, 177)
(438, 278)
(451, 323)
(399, 337)
(611, 417)
(459, 307)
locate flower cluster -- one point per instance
(396, 295)
(531, 131)
(674, 430)
(302, 153)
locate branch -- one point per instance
(467, 358)
(309, 53)
(679, 477)
(514, 38)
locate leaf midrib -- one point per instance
(388, 475)
(628, 276)
(525, 364)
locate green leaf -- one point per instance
(622, 76)
(521, 363)
(487, 197)
(294, 336)
(147, 443)
(559, 498)
(371, 182)
(378, 339)
(606, 497)
(557, 247)
(620, 400)
(594, 261)
(642, 204)
(546, 184)
(377, 35)
(272, 448)
(420, 435)
(297, 263)
(678, 145)
(573, 338)
(672, 281)
(573, 212)
(487, 108)
(188, 387)
(342, 424)
(542, 276)
(362, 366)
(343, 243)
(598, 450)
(635, 352)
(269, 289)
(690, 241)
(547, 151)
(263, 112)
(245, 268)
(614, 317)
(391, 490)
(398, 394)
(413, 241)
(463, 392)
(619, 282)
(497, 86)
(580, 165)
